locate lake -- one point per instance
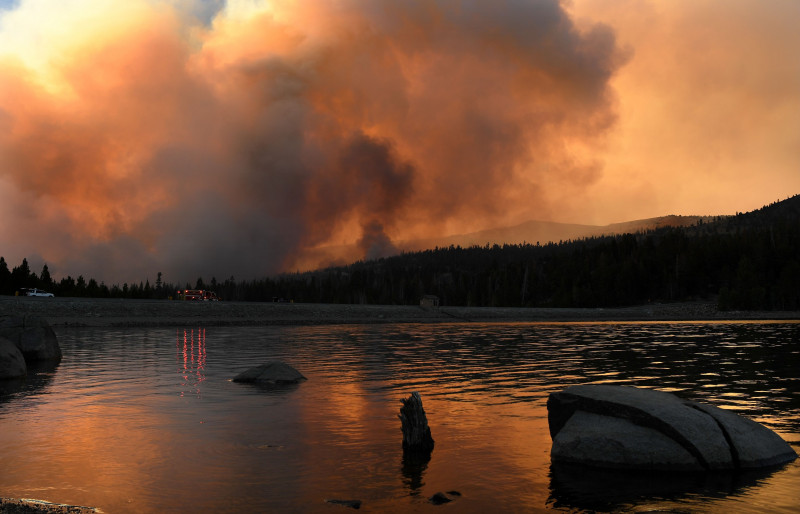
(147, 420)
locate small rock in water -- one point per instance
(439, 498)
(271, 447)
(353, 504)
(273, 372)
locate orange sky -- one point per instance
(194, 139)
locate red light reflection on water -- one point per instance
(190, 353)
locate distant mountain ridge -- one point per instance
(532, 232)
(545, 232)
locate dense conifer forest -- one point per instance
(748, 261)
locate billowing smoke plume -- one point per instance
(152, 139)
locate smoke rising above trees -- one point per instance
(139, 138)
(202, 136)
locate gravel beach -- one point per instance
(101, 312)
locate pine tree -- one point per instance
(5, 278)
(45, 279)
(21, 276)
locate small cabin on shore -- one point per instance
(429, 301)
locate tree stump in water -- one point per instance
(416, 433)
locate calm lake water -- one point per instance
(147, 420)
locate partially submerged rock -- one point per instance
(12, 363)
(353, 504)
(25, 341)
(33, 336)
(31, 506)
(441, 498)
(622, 427)
(271, 373)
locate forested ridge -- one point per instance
(747, 261)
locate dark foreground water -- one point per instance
(147, 420)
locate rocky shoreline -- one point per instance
(26, 506)
(101, 312)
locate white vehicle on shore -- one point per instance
(38, 292)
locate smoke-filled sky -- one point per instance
(212, 138)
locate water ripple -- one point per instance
(146, 420)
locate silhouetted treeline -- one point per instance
(13, 281)
(747, 261)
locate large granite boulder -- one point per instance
(33, 336)
(271, 373)
(12, 363)
(622, 427)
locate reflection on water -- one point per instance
(148, 420)
(414, 465)
(190, 352)
(39, 376)
(605, 490)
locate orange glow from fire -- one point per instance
(146, 136)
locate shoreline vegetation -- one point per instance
(116, 312)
